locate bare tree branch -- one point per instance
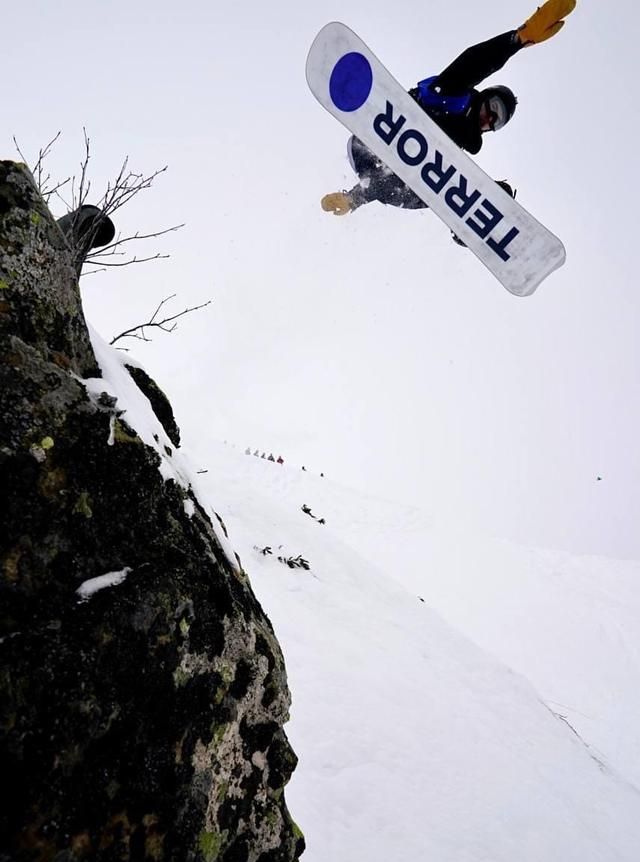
(137, 235)
(84, 184)
(126, 185)
(97, 256)
(134, 259)
(37, 170)
(94, 271)
(139, 330)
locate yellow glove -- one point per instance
(337, 203)
(545, 21)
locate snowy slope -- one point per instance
(426, 728)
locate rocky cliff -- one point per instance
(142, 690)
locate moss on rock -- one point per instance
(146, 721)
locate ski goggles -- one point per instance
(497, 113)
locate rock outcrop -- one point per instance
(142, 690)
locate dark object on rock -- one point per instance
(142, 692)
(308, 511)
(160, 404)
(298, 562)
(86, 228)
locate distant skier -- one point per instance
(452, 101)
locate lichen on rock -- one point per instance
(144, 721)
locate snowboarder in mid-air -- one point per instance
(464, 113)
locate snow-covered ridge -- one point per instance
(138, 414)
(454, 697)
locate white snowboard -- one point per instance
(352, 84)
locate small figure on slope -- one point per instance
(460, 110)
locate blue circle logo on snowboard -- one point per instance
(351, 82)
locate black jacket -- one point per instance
(459, 78)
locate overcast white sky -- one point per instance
(369, 347)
